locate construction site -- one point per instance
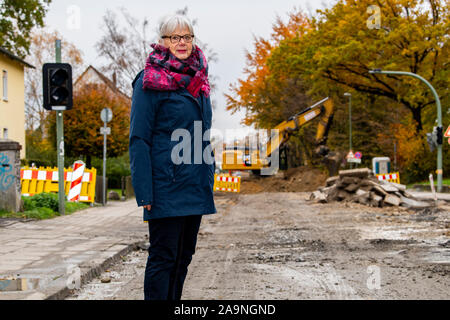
(225, 150)
(278, 239)
(285, 228)
(303, 233)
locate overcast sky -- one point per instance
(226, 26)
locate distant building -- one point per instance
(92, 75)
(12, 98)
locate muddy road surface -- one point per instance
(281, 246)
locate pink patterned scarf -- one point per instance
(164, 71)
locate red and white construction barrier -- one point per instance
(228, 179)
(77, 177)
(227, 183)
(392, 176)
(50, 175)
(38, 180)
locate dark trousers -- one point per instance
(172, 244)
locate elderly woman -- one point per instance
(170, 120)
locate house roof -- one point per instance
(107, 81)
(14, 57)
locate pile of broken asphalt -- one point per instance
(362, 186)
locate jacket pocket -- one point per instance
(161, 162)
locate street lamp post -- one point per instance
(349, 95)
(439, 118)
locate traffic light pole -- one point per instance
(104, 165)
(60, 143)
(439, 171)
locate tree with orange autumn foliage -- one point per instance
(263, 97)
(340, 49)
(331, 53)
(82, 124)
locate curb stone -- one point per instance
(94, 271)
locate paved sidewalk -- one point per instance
(50, 256)
(421, 195)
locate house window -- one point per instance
(5, 133)
(5, 85)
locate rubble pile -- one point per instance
(362, 186)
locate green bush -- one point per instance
(42, 200)
(43, 206)
(75, 206)
(116, 168)
(35, 213)
(41, 213)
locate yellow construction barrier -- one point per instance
(38, 180)
(391, 177)
(227, 183)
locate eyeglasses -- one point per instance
(176, 38)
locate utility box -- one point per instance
(381, 165)
(10, 197)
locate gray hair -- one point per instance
(170, 23)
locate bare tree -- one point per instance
(126, 48)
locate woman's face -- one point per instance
(182, 50)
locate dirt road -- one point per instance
(280, 246)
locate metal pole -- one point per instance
(60, 143)
(350, 124)
(439, 170)
(349, 95)
(104, 160)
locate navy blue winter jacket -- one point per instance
(172, 188)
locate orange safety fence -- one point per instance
(391, 177)
(227, 183)
(38, 180)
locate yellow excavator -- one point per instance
(258, 157)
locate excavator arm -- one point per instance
(255, 159)
(323, 108)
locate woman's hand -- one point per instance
(148, 207)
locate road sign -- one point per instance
(350, 155)
(358, 155)
(447, 132)
(106, 115)
(354, 160)
(103, 131)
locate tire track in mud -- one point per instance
(226, 266)
(313, 283)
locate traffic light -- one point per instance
(57, 86)
(439, 135)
